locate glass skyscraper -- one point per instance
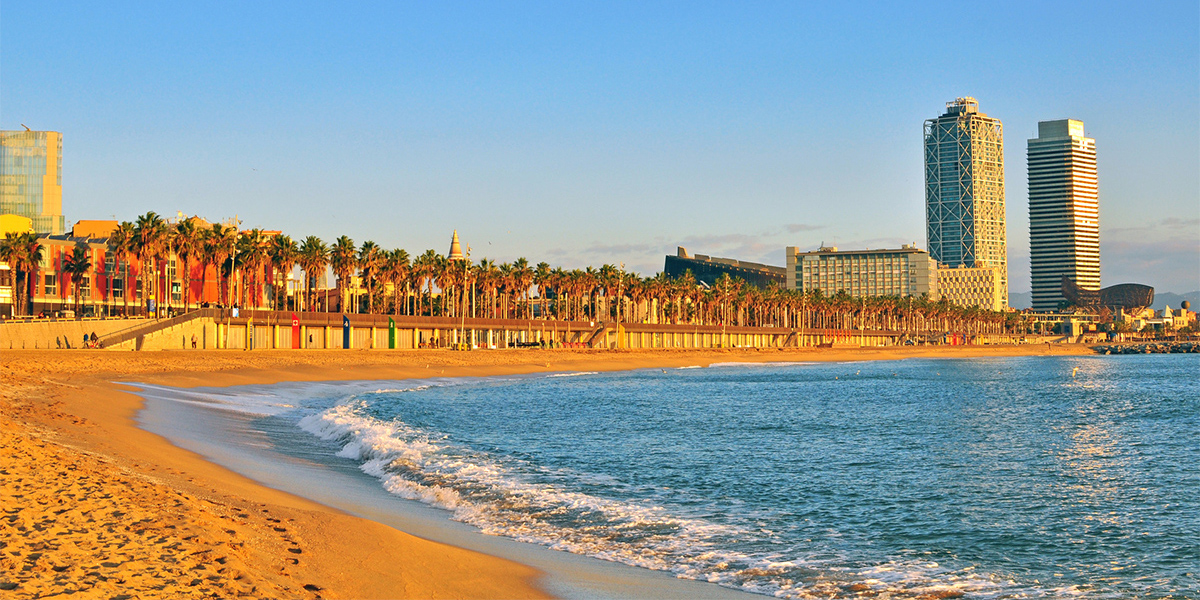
(964, 191)
(31, 178)
(1064, 211)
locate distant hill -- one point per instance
(1162, 299)
(1020, 300)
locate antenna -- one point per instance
(26, 127)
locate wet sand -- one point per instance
(92, 503)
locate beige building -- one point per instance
(93, 229)
(15, 224)
(31, 178)
(972, 286)
(906, 271)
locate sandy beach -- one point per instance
(94, 504)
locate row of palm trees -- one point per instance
(251, 268)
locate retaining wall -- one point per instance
(60, 333)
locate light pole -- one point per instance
(466, 261)
(620, 304)
(724, 311)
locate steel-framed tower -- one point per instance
(1064, 211)
(964, 190)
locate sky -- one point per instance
(589, 133)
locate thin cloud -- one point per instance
(1171, 226)
(1168, 265)
(619, 248)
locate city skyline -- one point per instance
(537, 133)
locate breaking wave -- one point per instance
(506, 496)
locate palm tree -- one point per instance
(369, 261)
(77, 266)
(392, 266)
(150, 237)
(426, 267)
(252, 255)
(313, 258)
(282, 253)
(23, 253)
(121, 243)
(485, 285)
(343, 257)
(187, 241)
(218, 247)
(398, 268)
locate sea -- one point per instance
(1022, 477)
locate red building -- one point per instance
(113, 285)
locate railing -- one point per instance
(584, 333)
(27, 319)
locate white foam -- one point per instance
(760, 364)
(572, 374)
(277, 399)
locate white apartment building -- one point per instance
(906, 271)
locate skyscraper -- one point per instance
(964, 191)
(1064, 211)
(31, 178)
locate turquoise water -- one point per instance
(990, 478)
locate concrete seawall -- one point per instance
(60, 333)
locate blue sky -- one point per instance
(582, 133)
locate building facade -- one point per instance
(707, 269)
(972, 286)
(906, 271)
(964, 189)
(115, 284)
(31, 178)
(1064, 211)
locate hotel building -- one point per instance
(964, 193)
(31, 178)
(1064, 211)
(906, 271)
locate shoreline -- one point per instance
(65, 404)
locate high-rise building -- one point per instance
(964, 191)
(31, 178)
(1064, 211)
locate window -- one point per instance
(85, 288)
(51, 285)
(118, 288)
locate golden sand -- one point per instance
(95, 507)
